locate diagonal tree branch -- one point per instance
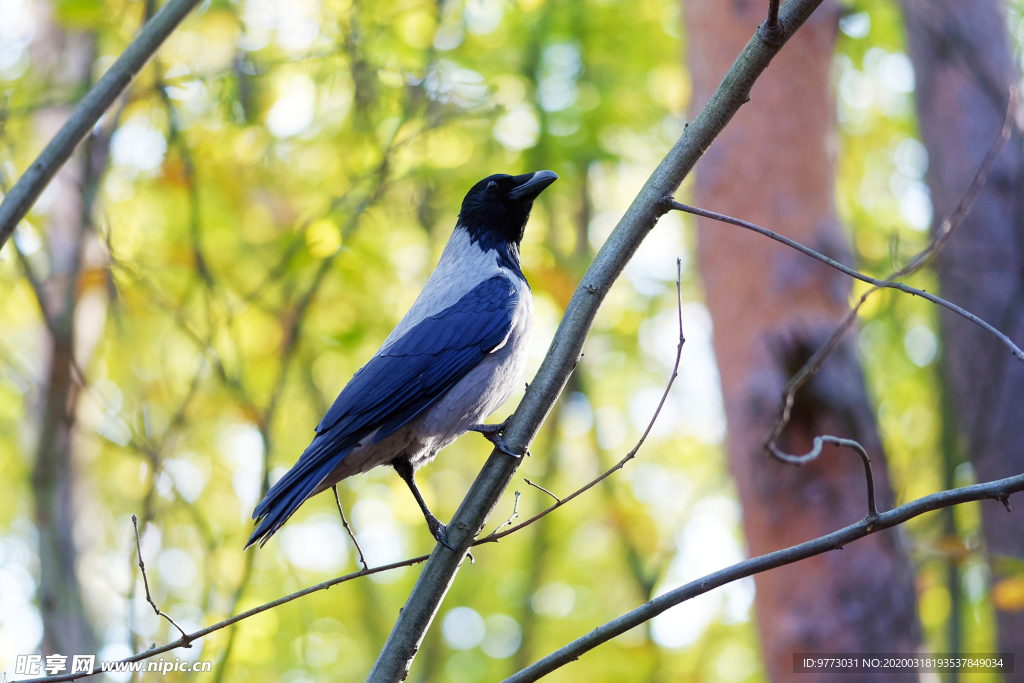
(31, 184)
(995, 490)
(395, 659)
(187, 640)
(890, 283)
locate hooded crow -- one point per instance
(454, 359)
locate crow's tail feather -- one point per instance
(291, 491)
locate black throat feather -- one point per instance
(497, 226)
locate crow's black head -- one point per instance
(495, 211)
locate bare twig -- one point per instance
(819, 442)
(186, 641)
(36, 285)
(541, 488)
(495, 536)
(951, 223)
(52, 325)
(351, 534)
(28, 188)
(994, 490)
(773, 13)
(511, 518)
(888, 283)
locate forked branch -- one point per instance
(186, 641)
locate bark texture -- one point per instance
(771, 308)
(964, 66)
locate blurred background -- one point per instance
(249, 221)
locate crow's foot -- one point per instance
(493, 434)
(439, 532)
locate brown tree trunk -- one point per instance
(771, 308)
(964, 65)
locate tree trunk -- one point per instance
(66, 58)
(771, 309)
(965, 69)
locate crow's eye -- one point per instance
(492, 186)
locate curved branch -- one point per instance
(995, 490)
(814, 363)
(31, 184)
(877, 284)
(819, 442)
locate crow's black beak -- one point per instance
(534, 184)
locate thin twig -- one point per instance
(810, 368)
(511, 518)
(351, 534)
(995, 490)
(495, 536)
(942, 235)
(192, 637)
(773, 13)
(36, 285)
(186, 640)
(541, 488)
(888, 283)
(819, 442)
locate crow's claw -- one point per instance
(490, 430)
(440, 533)
(493, 434)
(499, 443)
